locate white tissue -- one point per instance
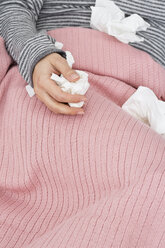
(145, 106)
(107, 17)
(58, 45)
(30, 90)
(79, 87)
(69, 58)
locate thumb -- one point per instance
(62, 66)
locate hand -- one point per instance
(51, 94)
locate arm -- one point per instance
(35, 53)
(24, 43)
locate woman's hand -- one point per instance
(47, 90)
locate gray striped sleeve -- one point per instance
(24, 43)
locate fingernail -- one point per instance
(80, 113)
(74, 76)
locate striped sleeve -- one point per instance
(23, 41)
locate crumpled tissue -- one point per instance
(107, 17)
(79, 87)
(145, 106)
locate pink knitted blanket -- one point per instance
(92, 181)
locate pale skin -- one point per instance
(46, 89)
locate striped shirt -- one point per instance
(23, 25)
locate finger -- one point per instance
(62, 66)
(60, 108)
(55, 91)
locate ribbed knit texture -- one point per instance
(22, 23)
(92, 181)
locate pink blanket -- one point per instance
(92, 181)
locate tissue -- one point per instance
(107, 17)
(30, 91)
(79, 87)
(145, 106)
